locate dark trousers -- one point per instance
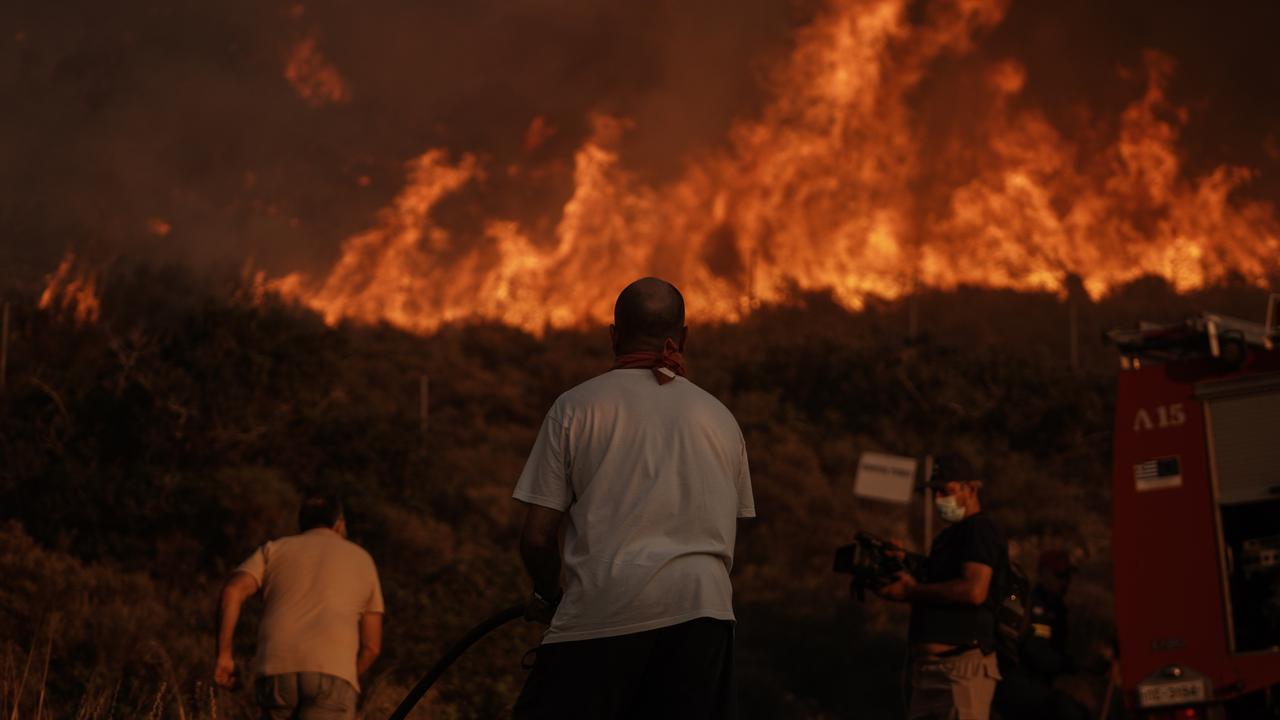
(677, 672)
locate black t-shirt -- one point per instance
(975, 539)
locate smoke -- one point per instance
(127, 118)
(123, 113)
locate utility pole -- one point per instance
(913, 315)
(1077, 296)
(424, 397)
(4, 346)
(928, 505)
(1073, 331)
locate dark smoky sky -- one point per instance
(114, 113)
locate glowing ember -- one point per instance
(72, 291)
(159, 227)
(823, 191)
(313, 77)
(538, 132)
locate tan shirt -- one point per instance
(315, 587)
(653, 478)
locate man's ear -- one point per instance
(340, 527)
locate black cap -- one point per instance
(950, 467)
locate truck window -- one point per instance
(1244, 434)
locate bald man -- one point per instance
(648, 473)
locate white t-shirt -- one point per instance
(315, 587)
(653, 478)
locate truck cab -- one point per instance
(1196, 517)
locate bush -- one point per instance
(145, 456)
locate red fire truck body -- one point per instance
(1196, 515)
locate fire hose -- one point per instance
(455, 651)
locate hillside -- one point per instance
(145, 455)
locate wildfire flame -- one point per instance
(73, 291)
(159, 227)
(822, 191)
(313, 77)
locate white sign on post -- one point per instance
(889, 478)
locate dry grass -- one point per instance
(142, 483)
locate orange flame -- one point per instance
(821, 193)
(159, 227)
(71, 291)
(313, 77)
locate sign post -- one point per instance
(1273, 318)
(4, 346)
(1073, 332)
(927, 527)
(424, 406)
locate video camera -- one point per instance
(873, 563)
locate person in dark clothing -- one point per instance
(1027, 690)
(952, 636)
(1044, 652)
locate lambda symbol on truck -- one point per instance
(1166, 416)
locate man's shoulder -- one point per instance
(611, 385)
(355, 551)
(604, 387)
(695, 390)
(977, 530)
(327, 542)
(589, 389)
(618, 389)
(982, 523)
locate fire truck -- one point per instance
(1196, 517)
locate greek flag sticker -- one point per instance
(1158, 474)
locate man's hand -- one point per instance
(900, 589)
(370, 641)
(539, 548)
(896, 550)
(239, 587)
(540, 609)
(225, 673)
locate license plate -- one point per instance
(1174, 693)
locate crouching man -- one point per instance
(952, 636)
(321, 623)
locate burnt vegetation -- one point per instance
(143, 456)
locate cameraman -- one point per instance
(952, 632)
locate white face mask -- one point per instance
(948, 508)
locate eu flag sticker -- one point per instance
(1158, 474)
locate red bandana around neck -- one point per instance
(666, 365)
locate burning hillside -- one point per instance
(831, 187)
(893, 146)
